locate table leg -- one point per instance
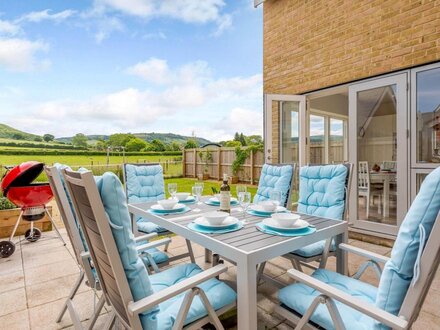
(341, 255)
(247, 295)
(208, 255)
(386, 197)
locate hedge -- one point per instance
(39, 145)
(87, 153)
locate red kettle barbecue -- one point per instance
(31, 197)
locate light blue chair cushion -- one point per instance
(321, 193)
(114, 201)
(145, 184)
(322, 190)
(399, 270)
(299, 297)
(274, 178)
(219, 295)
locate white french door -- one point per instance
(379, 150)
(284, 127)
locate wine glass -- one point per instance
(197, 192)
(275, 197)
(244, 199)
(200, 184)
(241, 188)
(172, 189)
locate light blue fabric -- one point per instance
(399, 270)
(274, 178)
(219, 295)
(141, 284)
(322, 190)
(321, 193)
(299, 297)
(145, 184)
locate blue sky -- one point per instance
(109, 66)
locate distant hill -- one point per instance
(8, 132)
(164, 137)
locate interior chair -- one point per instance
(145, 183)
(183, 296)
(323, 192)
(366, 189)
(334, 301)
(150, 255)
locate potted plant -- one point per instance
(205, 158)
(237, 165)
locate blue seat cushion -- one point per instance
(274, 178)
(299, 297)
(322, 190)
(314, 249)
(219, 295)
(399, 270)
(149, 227)
(115, 205)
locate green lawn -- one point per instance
(185, 185)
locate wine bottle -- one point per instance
(225, 195)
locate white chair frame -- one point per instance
(365, 189)
(411, 305)
(83, 190)
(136, 232)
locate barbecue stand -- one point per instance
(32, 198)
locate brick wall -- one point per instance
(310, 45)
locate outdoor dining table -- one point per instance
(247, 247)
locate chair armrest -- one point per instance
(364, 253)
(147, 303)
(145, 237)
(364, 307)
(150, 245)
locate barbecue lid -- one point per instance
(21, 175)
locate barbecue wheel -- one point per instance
(7, 248)
(32, 235)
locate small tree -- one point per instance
(157, 145)
(205, 158)
(234, 144)
(191, 144)
(101, 145)
(80, 140)
(240, 157)
(38, 139)
(135, 144)
(48, 137)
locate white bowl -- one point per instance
(286, 220)
(181, 196)
(167, 204)
(268, 206)
(216, 217)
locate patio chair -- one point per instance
(145, 183)
(335, 301)
(367, 189)
(323, 191)
(151, 257)
(178, 297)
(276, 177)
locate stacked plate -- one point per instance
(286, 224)
(215, 201)
(168, 206)
(261, 211)
(216, 222)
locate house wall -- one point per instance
(309, 45)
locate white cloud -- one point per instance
(190, 98)
(45, 15)
(21, 54)
(154, 35)
(107, 26)
(9, 28)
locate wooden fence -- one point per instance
(220, 162)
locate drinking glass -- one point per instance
(244, 199)
(172, 189)
(197, 192)
(241, 188)
(200, 184)
(275, 197)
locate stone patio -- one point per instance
(35, 280)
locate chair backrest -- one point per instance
(144, 182)
(324, 189)
(102, 211)
(389, 165)
(276, 177)
(66, 212)
(363, 175)
(415, 256)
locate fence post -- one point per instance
(219, 164)
(252, 166)
(195, 163)
(184, 162)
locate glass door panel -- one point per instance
(337, 139)
(289, 124)
(379, 151)
(317, 139)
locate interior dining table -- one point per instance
(247, 247)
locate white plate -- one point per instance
(260, 209)
(176, 208)
(229, 221)
(216, 200)
(299, 224)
